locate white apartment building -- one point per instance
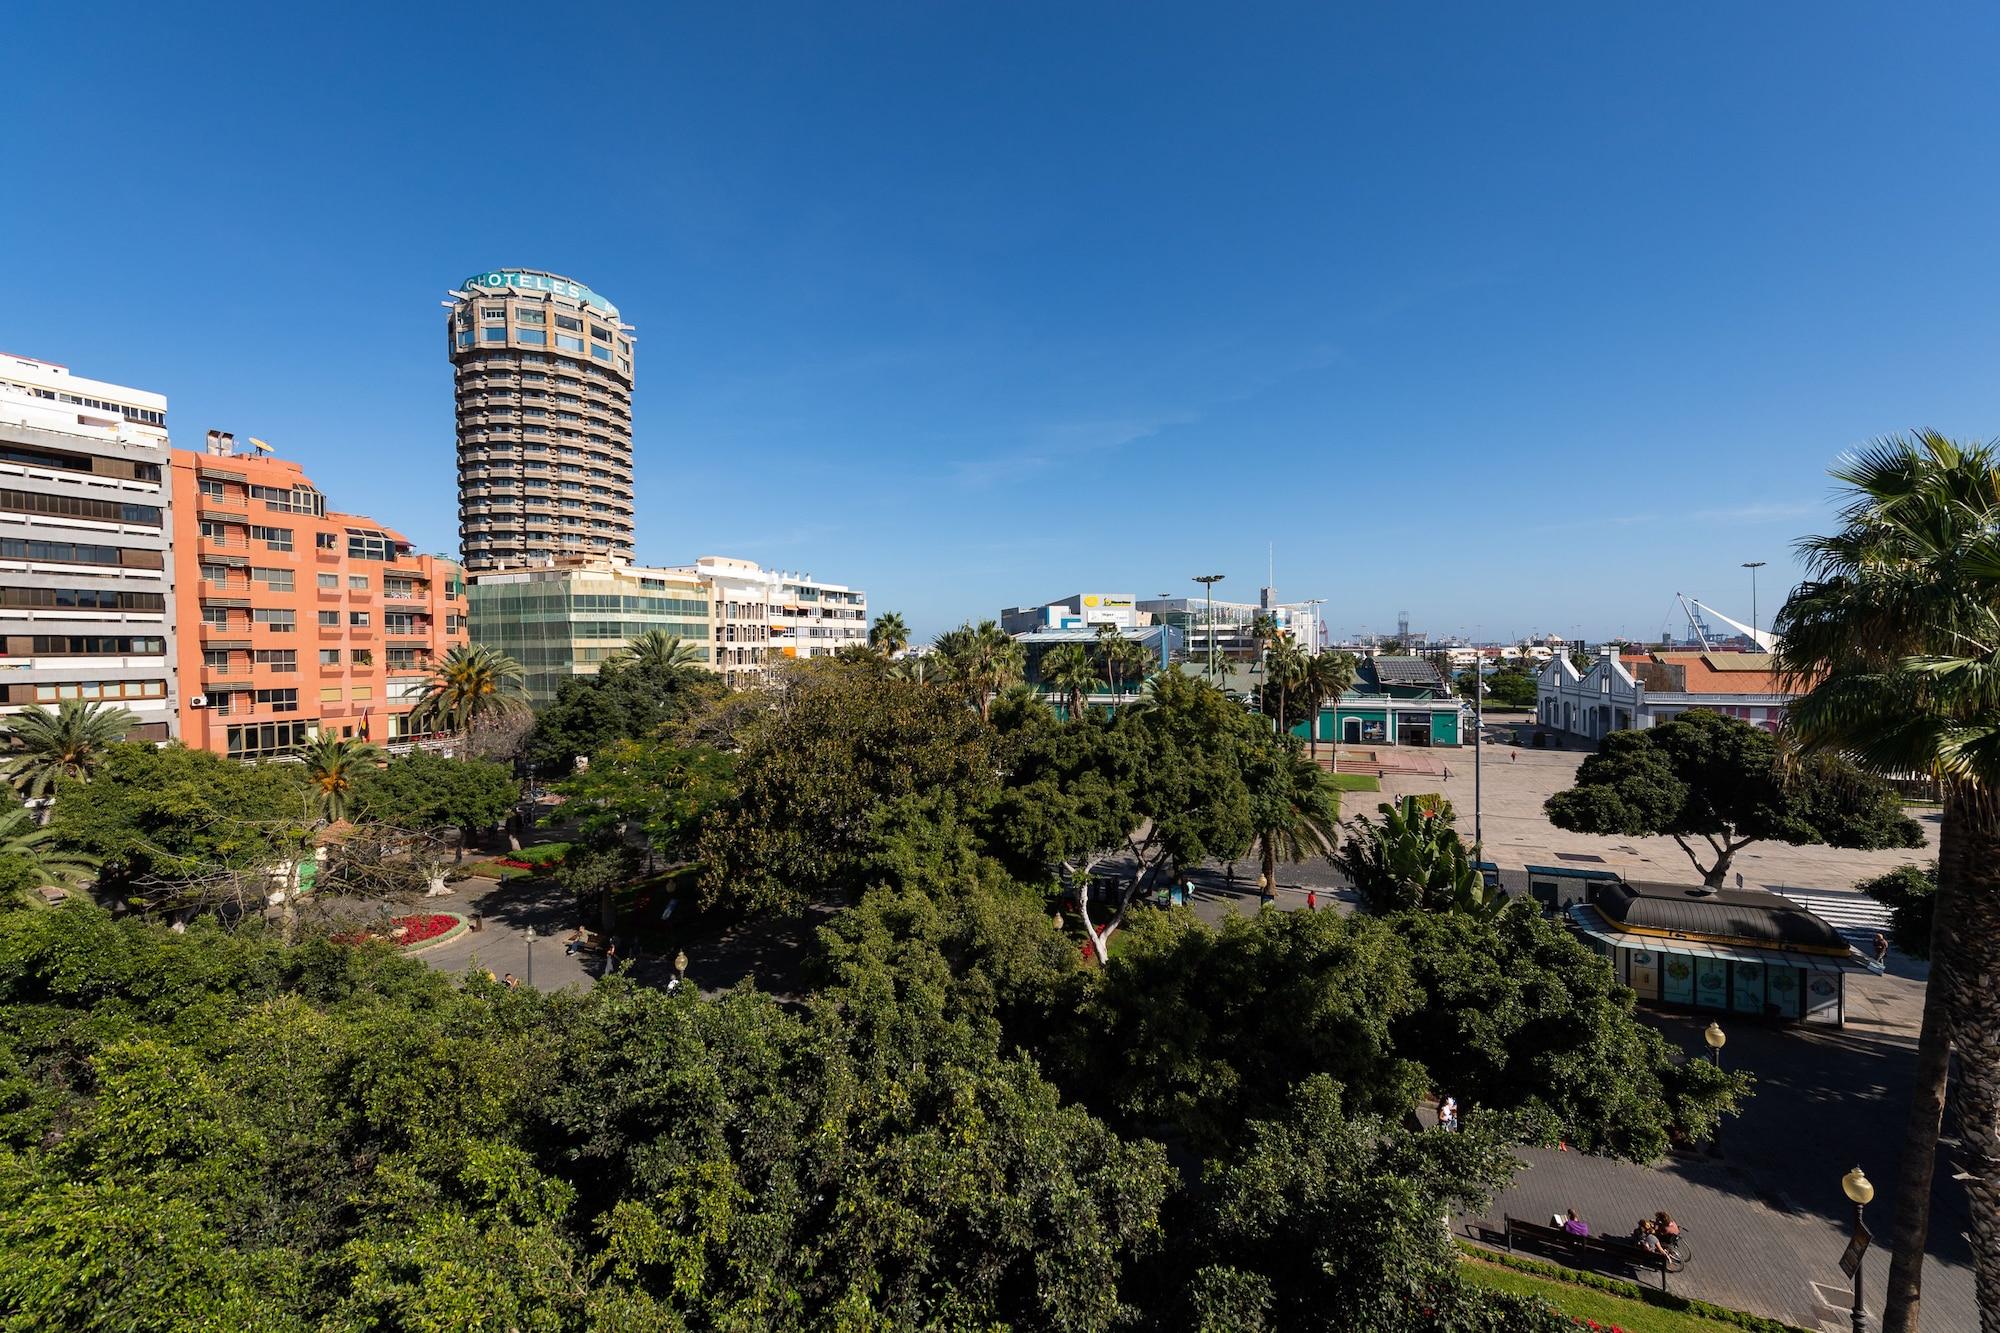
(761, 616)
(86, 586)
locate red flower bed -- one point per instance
(513, 864)
(408, 930)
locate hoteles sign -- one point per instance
(538, 282)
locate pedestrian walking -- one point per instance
(1881, 950)
(1448, 1115)
(1312, 901)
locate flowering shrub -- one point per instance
(408, 930)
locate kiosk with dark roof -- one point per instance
(1746, 951)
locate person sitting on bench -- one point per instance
(1575, 1225)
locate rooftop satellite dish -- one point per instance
(259, 445)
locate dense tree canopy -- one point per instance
(1703, 776)
(630, 699)
(427, 792)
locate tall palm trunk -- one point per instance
(1970, 960)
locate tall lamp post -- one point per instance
(1753, 566)
(1855, 1185)
(531, 957)
(1716, 1037)
(1208, 582)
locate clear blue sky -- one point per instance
(1512, 316)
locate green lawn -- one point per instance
(1588, 1303)
(1351, 781)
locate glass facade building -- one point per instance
(566, 620)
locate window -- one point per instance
(369, 546)
(290, 500)
(566, 322)
(363, 656)
(78, 506)
(358, 582)
(569, 342)
(523, 315)
(101, 689)
(215, 616)
(329, 694)
(491, 334)
(276, 539)
(399, 622)
(401, 659)
(357, 618)
(277, 580)
(215, 659)
(94, 645)
(465, 337)
(402, 589)
(279, 701)
(326, 541)
(83, 599)
(211, 489)
(601, 353)
(215, 532)
(266, 738)
(533, 337)
(329, 657)
(277, 618)
(454, 624)
(599, 332)
(330, 582)
(493, 312)
(214, 573)
(329, 619)
(278, 659)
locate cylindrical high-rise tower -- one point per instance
(544, 370)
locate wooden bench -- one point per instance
(1591, 1251)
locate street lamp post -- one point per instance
(1716, 1037)
(1753, 566)
(531, 957)
(1208, 582)
(681, 964)
(1855, 1185)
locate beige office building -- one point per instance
(765, 616)
(544, 385)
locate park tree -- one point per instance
(630, 699)
(159, 819)
(1326, 1221)
(468, 685)
(1201, 1029)
(835, 742)
(979, 661)
(1517, 1016)
(429, 793)
(1709, 779)
(1509, 688)
(1910, 894)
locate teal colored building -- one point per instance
(1378, 719)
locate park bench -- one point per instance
(1587, 1251)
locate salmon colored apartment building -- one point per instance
(294, 618)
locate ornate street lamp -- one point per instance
(531, 957)
(1855, 1185)
(1716, 1038)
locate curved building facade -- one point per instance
(543, 370)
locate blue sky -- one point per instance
(1512, 317)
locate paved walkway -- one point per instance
(1766, 1219)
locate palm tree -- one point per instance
(24, 846)
(982, 661)
(470, 684)
(1290, 814)
(1070, 669)
(1132, 660)
(68, 743)
(1895, 636)
(889, 635)
(658, 650)
(1285, 672)
(333, 763)
(1328, 675)
(915, 667)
